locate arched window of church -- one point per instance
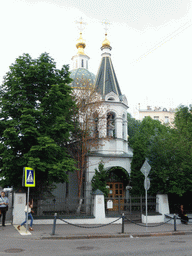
(96, 125)
(82, 63)
(87, 64)
(111, 125)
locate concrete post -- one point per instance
(162, 204)
(18, 208)
(99, 205)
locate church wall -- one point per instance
(73, 188)
(69, 191)
(126, 146)
(108, 162)
(119, 128)
(60, 191)
(112, 146)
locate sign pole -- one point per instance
(27, 209)
(145, 169)
(146, 200)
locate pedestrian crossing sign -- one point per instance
(29, 177)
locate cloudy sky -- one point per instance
(151, 42)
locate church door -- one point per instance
(116, 194)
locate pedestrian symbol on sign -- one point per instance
(30, 178)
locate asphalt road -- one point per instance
(155, 246)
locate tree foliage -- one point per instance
(171, 156)
(37, 112)
(140, 144)
(133, 127)
(99, 180)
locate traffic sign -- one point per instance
(147, 183)
(29, 177)
(145, 169)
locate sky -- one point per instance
(151, 42)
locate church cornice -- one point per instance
(120, 103)
(95, 154)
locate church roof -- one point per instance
(81, 77)
(106, 80)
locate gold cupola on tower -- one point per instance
(106, 42)
(80, 45)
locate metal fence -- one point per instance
(74, 207)
(133, 207)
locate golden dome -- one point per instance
(106, 42)
(80, 44)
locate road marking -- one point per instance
(22, 231)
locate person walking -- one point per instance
(29, 216)
(4, 201)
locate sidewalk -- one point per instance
(88, 232)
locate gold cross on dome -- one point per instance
(106, 25)
(81, 24)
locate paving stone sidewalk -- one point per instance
(67, 231)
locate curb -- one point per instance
(116, 235)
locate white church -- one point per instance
(114, 153)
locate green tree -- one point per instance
(183, 142)
(133, 127)
(37, 112)
(140, 144)
(165, 174)
(171, 156)
(99, 180)
(137, 178)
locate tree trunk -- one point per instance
(79, 205)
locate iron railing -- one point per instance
(130, 206)
(63, 207)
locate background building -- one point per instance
(164, 115)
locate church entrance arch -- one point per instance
(118, 179)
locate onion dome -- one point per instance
(81, 44)
(106, 43)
